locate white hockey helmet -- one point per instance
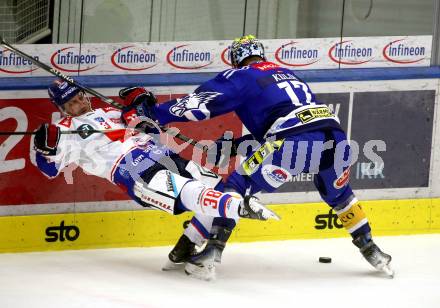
(245, 47)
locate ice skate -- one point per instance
(372, 253)
(180, 254)
(252, 208)
(202, 265)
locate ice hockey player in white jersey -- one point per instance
(149, 172)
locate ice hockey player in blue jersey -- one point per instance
(296, 134)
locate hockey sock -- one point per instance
(353, 218)
(224, 222)
(197, 197)
(199, 229)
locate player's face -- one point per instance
(78, 105)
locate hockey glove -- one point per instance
(46, 139)
(137, 102)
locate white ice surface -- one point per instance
(266, 274)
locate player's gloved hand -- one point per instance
(46, 139)
(137, 102)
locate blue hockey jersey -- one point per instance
(270, 101)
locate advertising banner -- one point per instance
(213, 56)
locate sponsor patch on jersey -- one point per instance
(255, 160)
(310, 114)
(342, 180)
(275, 176)
(100, 119)
(265, 66)
(85, 131)
(138, 160)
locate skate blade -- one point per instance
(171, 266)
(271, 215)
(388, 270)
(206, 273)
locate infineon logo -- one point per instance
(69, 61)
(291, 54)
(346, 53)
(13, 64)
(185, 57)
(226, 56)
(132, 58)
(400, 51)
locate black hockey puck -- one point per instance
(325, 260)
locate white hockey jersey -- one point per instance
(96, 153)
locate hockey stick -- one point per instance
(64, 132)
(105, 99)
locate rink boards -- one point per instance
(154, 228)
(401, 189)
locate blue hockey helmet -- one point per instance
(245, 47)
(60, 92)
